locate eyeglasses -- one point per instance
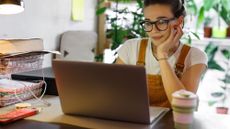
(161, 24)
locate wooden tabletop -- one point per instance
(29, 124)
(52, 118)
(165, 123)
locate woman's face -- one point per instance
(156, 12)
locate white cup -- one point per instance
(184, 103)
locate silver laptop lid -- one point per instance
(109, 91)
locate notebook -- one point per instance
(106, 91)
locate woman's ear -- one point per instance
(180, 21)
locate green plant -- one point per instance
(226, 79)
(226, 54)
(101, 8)
(191, 10)
(211, 51)
(120, 33)
(207, 21)
(120, 28)
(224, 10)
(191, 7)
(99, 58)
(222, 7)
(187, 37)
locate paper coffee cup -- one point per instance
(184, 103)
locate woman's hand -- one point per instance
(164, 48)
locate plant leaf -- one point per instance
(211, 50)
(217, 94)
(226, 79)
(99, 58)
(213, 65)
(224, 13)
(200, 17)
(197, 36)
(226, 53)
(140, 3)
(208, 4)
(226, 4)
(118, 37)
(100, 2)
(124, 1)
(191, 6)
(189, 39)
(100, 11)
(210, 103)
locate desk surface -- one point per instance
(53, 114)
(29, 124)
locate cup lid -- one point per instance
(184, 94)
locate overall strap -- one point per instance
(142, 52)
(181, 59)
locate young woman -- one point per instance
(170, 65)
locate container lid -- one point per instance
(184, 94)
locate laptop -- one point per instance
(107, 91)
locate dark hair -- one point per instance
(177, 6)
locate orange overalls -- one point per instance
(157, 95)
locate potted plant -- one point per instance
(219, 31)
(228, 31)
(205, 7)
(225, 14)
(222, 109)
(207, 27)
(228, 22)
(205, 19)
(222, 8)
(221, 96)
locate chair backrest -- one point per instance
(78, 45)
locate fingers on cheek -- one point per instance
(173, 30)
(181, 31)
(176, 31)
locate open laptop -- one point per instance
(108, 91)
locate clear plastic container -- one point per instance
(13, 91)
(11, 65)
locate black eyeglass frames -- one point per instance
(161, 24)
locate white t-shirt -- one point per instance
(129, 52)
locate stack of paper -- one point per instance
(12, 91)
(20, 45)
(21, 55)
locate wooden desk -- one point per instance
(53, 114)
(29, 124)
